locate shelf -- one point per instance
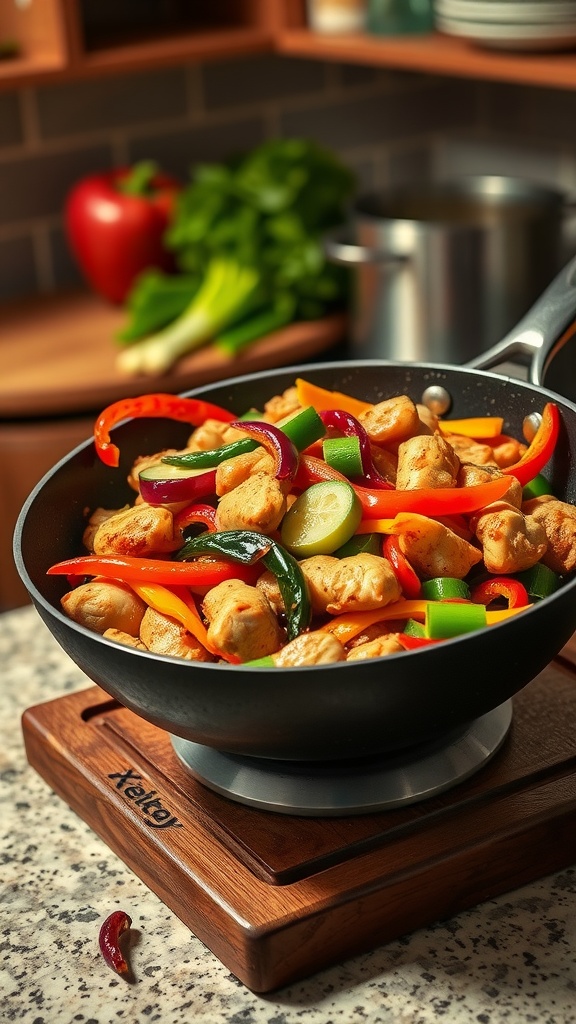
(433, 54)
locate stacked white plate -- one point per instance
(510, 24)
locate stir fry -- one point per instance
(319, 529)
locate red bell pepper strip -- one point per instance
(276, 443)
(347, 424)
(312, 470)
(405, 574)
(501, 586)
(151, 570)
(539, 452)
(430, 501)
(413, 643)
(186, 410)
(197, 513)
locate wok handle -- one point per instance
(541, 332)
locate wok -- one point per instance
(337, 711)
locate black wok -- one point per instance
(340, 710)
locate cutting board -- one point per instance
(59, 355)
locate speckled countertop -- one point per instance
(513, 959)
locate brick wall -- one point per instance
(389, 126)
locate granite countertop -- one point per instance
(511, 959)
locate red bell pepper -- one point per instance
(405, 574)
(539, 452)
(116, 222)
(501, 586)
(196, 513)
(186, 410)
(152, 570)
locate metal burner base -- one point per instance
(348, 786)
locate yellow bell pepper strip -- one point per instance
(540, 450)
(346, 627)
(497, 587)
(177, 603)
(152, 570)
(321, 398)
(248, 547)
(186, 410)
(480, 428)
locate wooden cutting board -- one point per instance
(58, 356)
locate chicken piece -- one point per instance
(310, 649)
(558, 520)
(426, 462)
(376, 631)
(508, 453)
(213, 434)
(241, 621)
(388, 644)
(354, 584)
(432, 548)
(510, 540)
(105, 604)
(471, 475)
(98, 516)
(163, 635)
(392, 421)
(125, 639)
(258, 503)
(467, 450)
(282, 405)
(140, 530)
(233, 472)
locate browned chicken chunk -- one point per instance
(163, 635)
(258, 503)
(392, 420)
(125, 639)
(432, 548)
(233, 472)
(558, 520)
(139, 531)
(510, 540)
(470, 476)
(387, 644)
(357, 583)
(241, 621)
(427, 461)
(105, 604)
(315, 648)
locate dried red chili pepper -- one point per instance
(114, 926)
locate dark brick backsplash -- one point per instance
(10, 127)
(111, 103)
(261, 79)
(179, 151)
(390, 126)
(35, 185)
(17, 268)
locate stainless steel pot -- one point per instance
(445, 269)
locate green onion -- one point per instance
(414, 628)
(343, 454)
(446, 619)
(359, 544)
(536, 488)
(266, 662)
(540, 581)
(445, 588)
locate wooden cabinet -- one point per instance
(68, 39)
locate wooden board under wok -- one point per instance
(58, 356)
(277, 898)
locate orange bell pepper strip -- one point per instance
(186, 410)
(540, 450)
(151, 570)
(178, 604)
(346, 627)
(430, 501)
(479, 428)
(323, 399)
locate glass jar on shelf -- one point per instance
(399, 17)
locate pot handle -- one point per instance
(541, 332)
(340, 249)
